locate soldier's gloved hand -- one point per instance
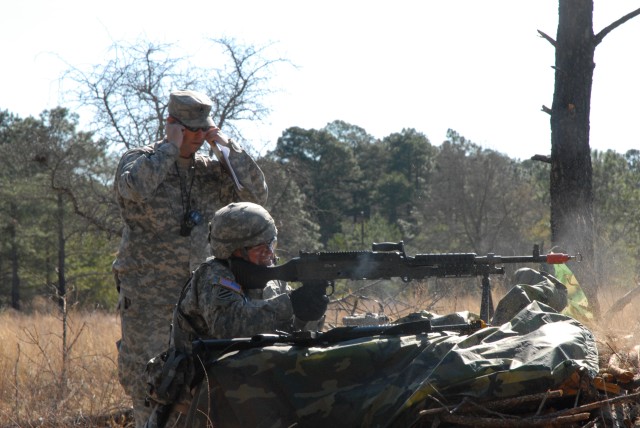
(215, 135)
(309, 301)
(174, 131)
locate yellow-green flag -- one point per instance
(577, 303)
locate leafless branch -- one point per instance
(541, 158)
(547, 38)
(606, 30)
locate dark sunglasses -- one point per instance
(265, 246)
(204, 129)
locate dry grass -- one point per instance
(436, 296)
(621, 333)
(34, 392)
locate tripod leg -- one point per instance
(486, 304)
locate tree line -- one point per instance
(335, 188)
(332, 188)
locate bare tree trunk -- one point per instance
(15, 276)
(571, 173)
(62, 295)
(62, 285)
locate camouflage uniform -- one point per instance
(215, 309)
(154, 260)
(212, 305)
(207, 310)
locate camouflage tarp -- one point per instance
(385, 381)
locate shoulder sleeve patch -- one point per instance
(224, 295)
(228, 284)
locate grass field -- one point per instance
(44, 386)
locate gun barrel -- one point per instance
(552, 258)
(558, 258)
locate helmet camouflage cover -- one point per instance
(239, 225)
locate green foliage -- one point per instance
(325, 170)
(392, 194)
(478, 201)
(286, 204)
(335, 189)
(53, 187)
(345, 173)
(397, 171)
(617, 196)
(352, 135)
(90, 282)
(411, 155)
(359, 235)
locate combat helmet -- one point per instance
(239, 225)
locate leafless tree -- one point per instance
(128, 94)
(572, 223)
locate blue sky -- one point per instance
(476, 67)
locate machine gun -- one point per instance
(208, 349)
(388, 260)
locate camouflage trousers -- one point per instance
(145, 333)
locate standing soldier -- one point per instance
(167, 194)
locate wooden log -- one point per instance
(480, 422)
(496, 404)
(592, 406)
(516, 401)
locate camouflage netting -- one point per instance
(385, 381)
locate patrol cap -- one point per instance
(191, 108)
